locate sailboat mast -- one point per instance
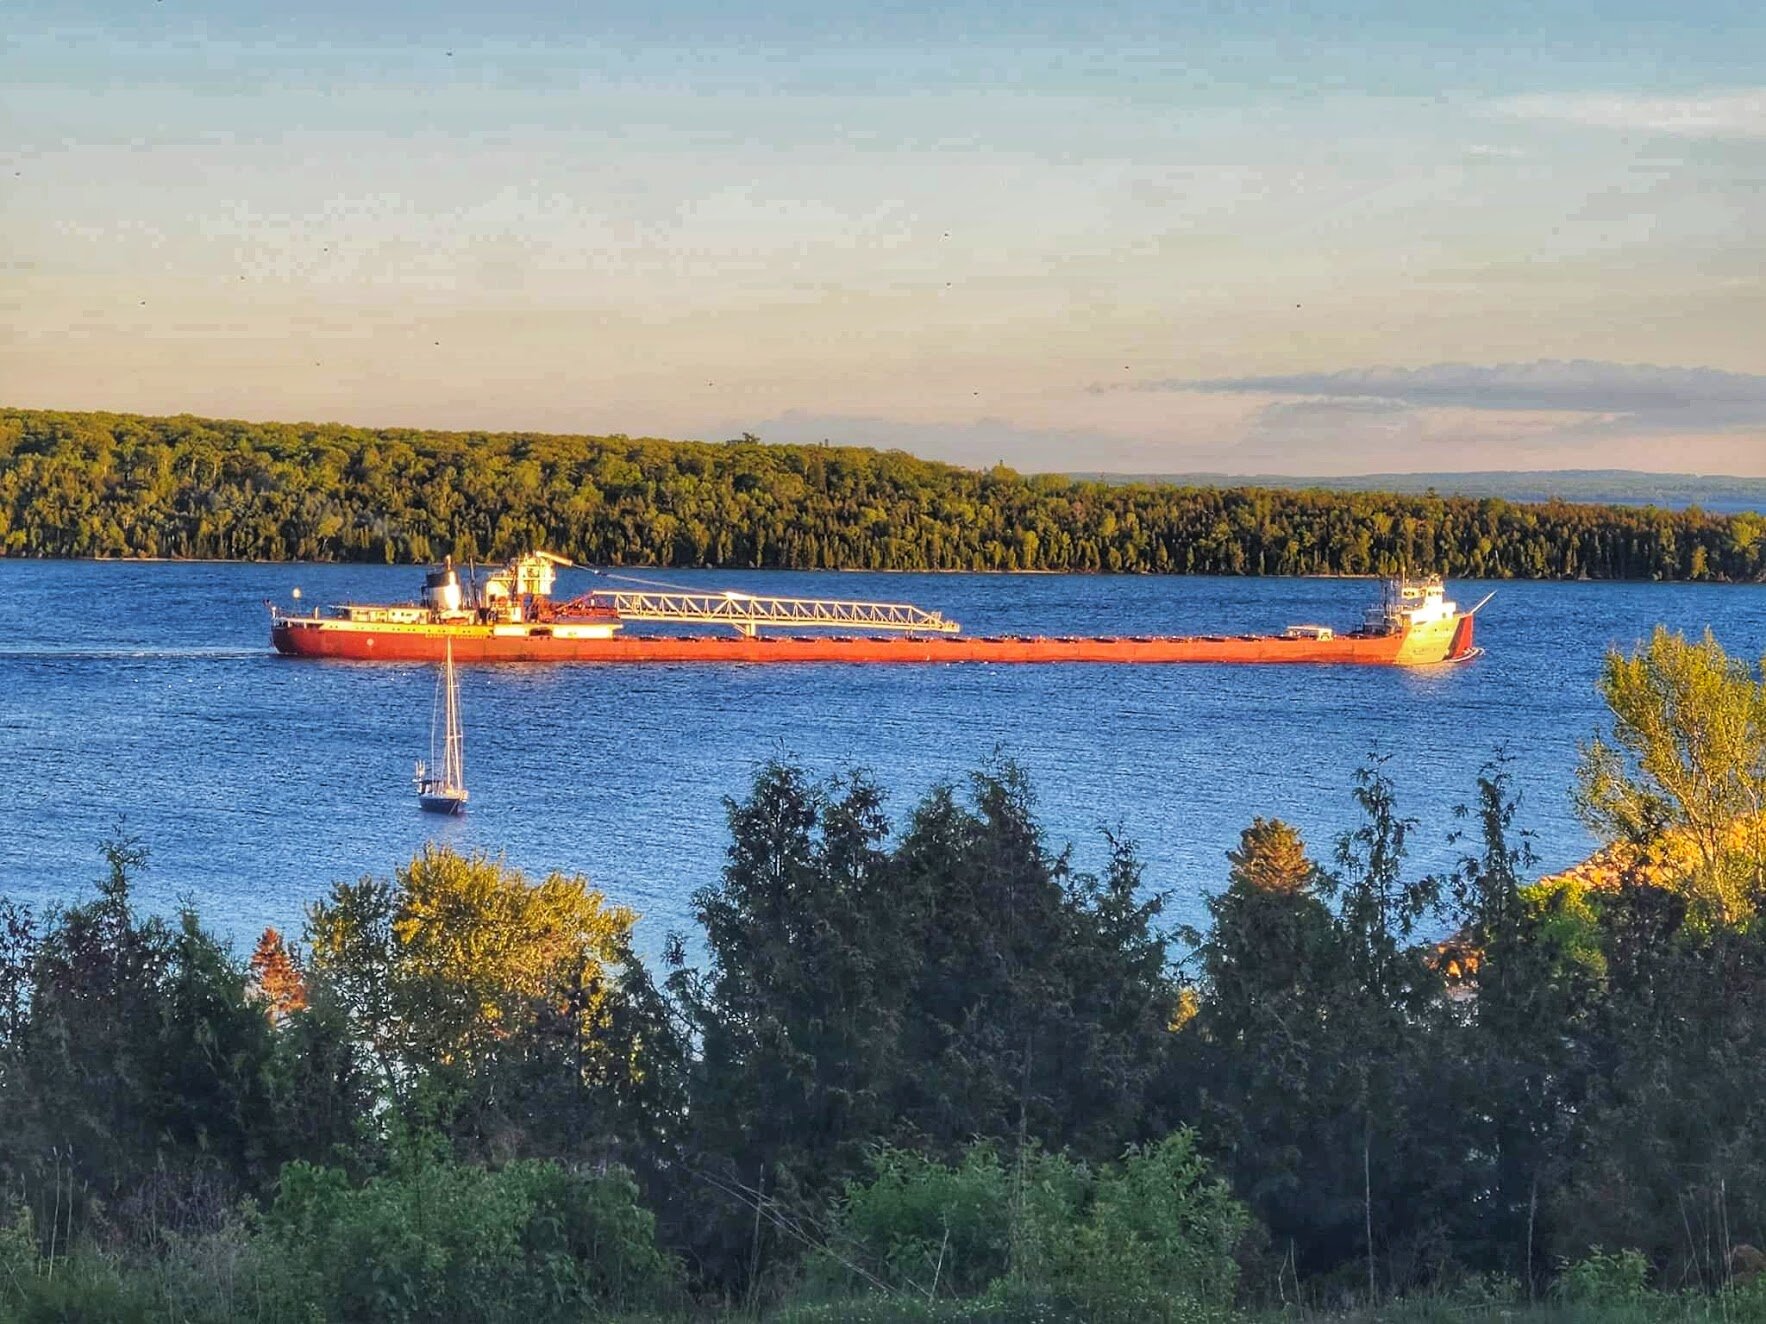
(455, 765)
(437, 710)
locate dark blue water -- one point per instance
(148, 693)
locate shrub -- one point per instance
(529, 1242)
(1151, 1237)
(72, 1286)
(1160, 1228)
(934, 1229)
(1604, 1279)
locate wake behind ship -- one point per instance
(512, 617)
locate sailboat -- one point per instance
(441, 782)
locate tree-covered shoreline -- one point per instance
(101, 485)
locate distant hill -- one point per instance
(1717, 493)
(104, 485)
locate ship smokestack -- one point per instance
(441, 588)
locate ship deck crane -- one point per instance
(747, 613)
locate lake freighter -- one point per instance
(511, 616)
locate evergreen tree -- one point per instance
(136, 1067)
(1266, 1072)
(964, 983)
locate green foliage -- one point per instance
(1561, 916)
(1496, 1103)
(1160, 1229)
(1686, 765)
(528, 1242)
(1265, 1072)
(123, 485)
(1603, 1278)
(1307, 1057)
(432, 1239)
(87, 1287)
(1040, 997)
(135, 1075)
(1661, 1050)
(929, 1228)
(1004, 1306)
(512, 1013)
(145, 1088)
(1149, 1237)
(452, 961)
(1669, 1152)
(798, 1010)
(966, 983)
(18, 1246)
(193, 1279)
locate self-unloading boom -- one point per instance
(749, 612)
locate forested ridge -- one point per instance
(119, 485)
(925, 1067)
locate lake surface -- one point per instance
(148, 694)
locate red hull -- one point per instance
(476, 644)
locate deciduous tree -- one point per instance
(1685, 762)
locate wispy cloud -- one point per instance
(1740, 113)
(1549, 402)
(1708, 396)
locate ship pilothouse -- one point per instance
(1407, 603)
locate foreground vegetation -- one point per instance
(930, 1070)
(118, 485)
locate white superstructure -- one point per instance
(1406, 604)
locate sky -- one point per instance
(1245, 238)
